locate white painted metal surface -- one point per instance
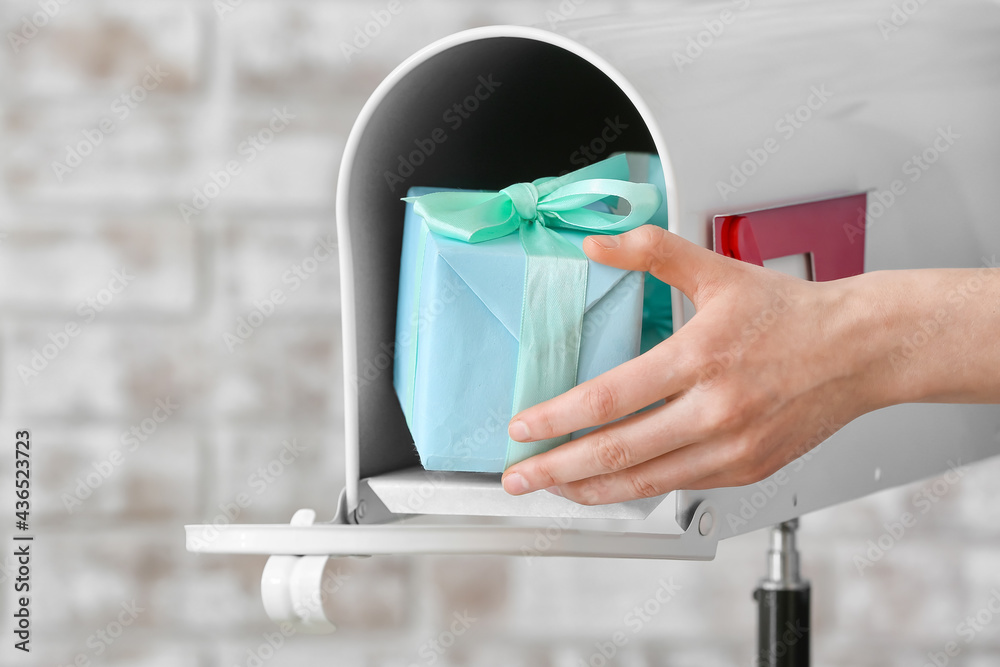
(405, 539)
(413, 491)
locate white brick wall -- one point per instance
(162, 336)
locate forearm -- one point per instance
(930, 336)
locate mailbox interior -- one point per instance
(479, 115)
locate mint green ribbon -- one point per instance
(555, 272)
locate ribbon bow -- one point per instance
(555, 274)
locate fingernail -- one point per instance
(515, 484)
(518, 430)
(554, 490)
(608, 242)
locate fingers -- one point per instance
(710, 464)
(677, 469)
(617, 446)
(669, 257)
(619, 392)
(742, 473)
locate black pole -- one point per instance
(783, 605)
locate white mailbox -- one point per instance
(853, 134)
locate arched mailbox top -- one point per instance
(466, 111)
(500, 32)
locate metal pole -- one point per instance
(783, 604)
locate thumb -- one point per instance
(670, 258)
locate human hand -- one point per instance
(769, 367)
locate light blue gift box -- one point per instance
(466, 342)
(657, 312)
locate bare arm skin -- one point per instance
(766, 364)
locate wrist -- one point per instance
(875, 312)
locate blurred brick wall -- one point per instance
(154, 335)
